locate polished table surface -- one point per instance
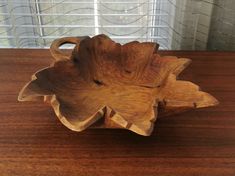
(200, 142)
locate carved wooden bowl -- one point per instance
(106, 84)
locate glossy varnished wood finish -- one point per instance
(201, 142)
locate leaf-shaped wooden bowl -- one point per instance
(106, 84)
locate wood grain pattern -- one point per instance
(201, 142)
(109, 85)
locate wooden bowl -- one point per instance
(106, 84)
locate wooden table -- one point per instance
(201, 142)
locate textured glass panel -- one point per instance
(35, 23)
(174, 24)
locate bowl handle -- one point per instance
(59, 54)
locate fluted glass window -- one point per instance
(174, 24)
(35, 23)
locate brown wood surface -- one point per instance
(200, 142)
